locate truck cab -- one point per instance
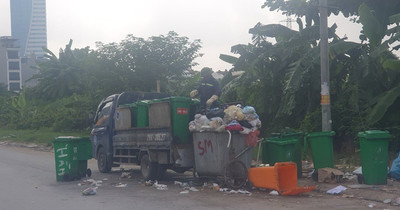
(147, 129)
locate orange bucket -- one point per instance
(281, 177)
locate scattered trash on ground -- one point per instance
(358, 170)
(92, 182)
(223, 189)
(274, 192)
(160, 186)
(396, 202)
(184, 192)
(330, 175)
(178, 183)
(371, 205)
(337, 190)
(193, 189)
(121, 185)
(216, 186)
(125, 175)
(349, 176)
(148, 183)
(90, 191)
(387, 201)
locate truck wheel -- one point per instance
(148, 169)
(103, 163)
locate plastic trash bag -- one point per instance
(255, 123)
(234, 126)
(216, 112)
(252, 137)
(234, 112)
(394, 171)
(249, 110)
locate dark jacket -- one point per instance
(209, 86)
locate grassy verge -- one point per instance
(41, 136)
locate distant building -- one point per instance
(14, 70)
(28, 26)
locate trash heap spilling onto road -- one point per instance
(233, 118)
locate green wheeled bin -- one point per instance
(322, 149)
(374, 146)
(266, 150)
(282, 151)
(299, 137)
(290, 143)
(71, 155)
(142, 113)
(180, 113)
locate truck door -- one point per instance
(102, 135)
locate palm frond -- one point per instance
(384, 102)
(273, 30)
(228, 58)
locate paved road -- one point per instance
(27, 181)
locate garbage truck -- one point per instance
(146, 129)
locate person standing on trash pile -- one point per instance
(209, 90)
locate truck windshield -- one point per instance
(104, 114)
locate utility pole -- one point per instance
(324, 52)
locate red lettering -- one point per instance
(208, 144)
(183, 111)
(207, 147)
(200, 148)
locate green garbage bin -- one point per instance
(265, 150)
(322, 149)
(374, 146)
(281, 150)
(142, 114)
(180, 113)
(299, 137)
(71, 155)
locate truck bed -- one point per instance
(128, 143)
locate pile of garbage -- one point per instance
(234, 118)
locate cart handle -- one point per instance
(248, 147)
(259, 147)
(230, 137)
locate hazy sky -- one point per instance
(219, 24)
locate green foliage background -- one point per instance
(278, 73)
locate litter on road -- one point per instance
(337, 190)
(121, 185)
(90, 191)
(160, 186)
(274, 192)
(184, 192)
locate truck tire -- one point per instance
(103, 162)
(148, 169)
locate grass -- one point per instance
(41, 136)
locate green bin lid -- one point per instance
(283, 142)
(70, 139)
(195, 101)
(292, 134)
(323, 133)
(144, 102)
(273, 138)
(375, 134)
(180, 99)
